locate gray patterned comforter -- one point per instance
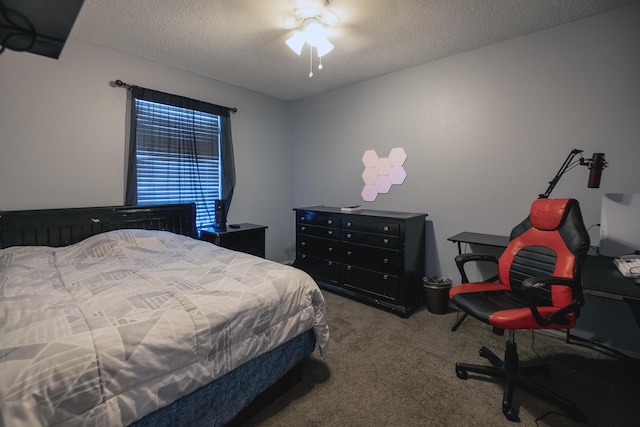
(112, 328)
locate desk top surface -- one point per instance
(481, 239)
(600, 276)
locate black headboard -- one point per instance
(62, 227)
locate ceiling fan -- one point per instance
(309, 22)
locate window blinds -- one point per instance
(178, 157)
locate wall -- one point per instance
(484, 131)
(62, 134)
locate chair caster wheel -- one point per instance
(462, 373)
(510, 413)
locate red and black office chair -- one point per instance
(539, 287)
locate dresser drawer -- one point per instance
(373, 282)
(381, 240)
(320, 269)
(371, 225)
(311, 230)
(324, 248)
(383, 260)
(317, 218)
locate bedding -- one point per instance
(108, 330)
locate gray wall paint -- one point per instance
(62, 134)
(484, 131)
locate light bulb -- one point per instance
(314, 33)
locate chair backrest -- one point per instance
(552, 241)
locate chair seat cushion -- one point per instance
(491, 303)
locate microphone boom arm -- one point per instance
(561, 172)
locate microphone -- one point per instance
(595, 166)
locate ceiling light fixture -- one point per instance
(312, 31)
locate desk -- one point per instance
(600, 276)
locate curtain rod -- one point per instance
(120, 83)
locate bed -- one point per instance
(120, 316)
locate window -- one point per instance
(180, 153)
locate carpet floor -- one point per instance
(384, 370)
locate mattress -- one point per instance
(112, 328)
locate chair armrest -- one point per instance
(462, 259)
(558, 316)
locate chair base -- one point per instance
(459, 322)
(516, 375)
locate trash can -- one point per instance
(436, 294)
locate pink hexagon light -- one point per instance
(369, 158)
(369, 193)
(397, 175)
(383, 166)
(383, 184)
(369, 175)
(397, 156)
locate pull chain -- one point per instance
(311, 62)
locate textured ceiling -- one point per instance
(241, 42)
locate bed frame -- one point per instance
(229, 400)
(63, 227)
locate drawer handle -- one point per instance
(385, 277)
(303, 243)
(303, 256)
(330, 263)
(385, 261)
(349, 224)
(303, 218)
(303, 228)
(348, 253)
(348, 235)
(329, 222)
(385, 241)
(348, 267)
(330, 232)
(330, 249)
(386, 228)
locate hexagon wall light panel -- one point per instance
(383, 184)
(369, 158)
(369, 175)
(397, 156)
(397, 175)
(369, 193)
(381, 173)
(383, 166)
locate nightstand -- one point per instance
(247, 238)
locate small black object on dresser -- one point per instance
(376, 257)
(247, 238)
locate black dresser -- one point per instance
(376, 257)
